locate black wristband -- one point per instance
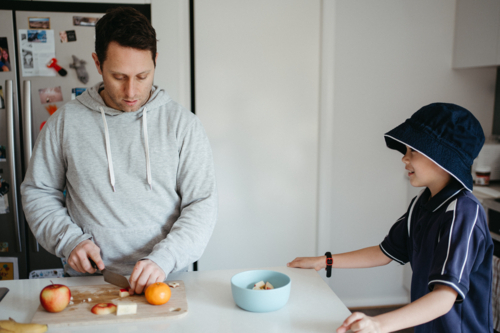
(329, 263)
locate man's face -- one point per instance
(128, 75)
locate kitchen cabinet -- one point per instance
(477, 33)
(312, 306)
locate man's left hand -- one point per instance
(145, 272)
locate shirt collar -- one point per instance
(444, 196)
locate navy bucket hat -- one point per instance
(447, 134)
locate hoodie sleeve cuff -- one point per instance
(68, 248)
(165, 260)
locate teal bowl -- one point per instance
(260, 300)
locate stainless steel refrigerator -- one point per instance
(32, 34)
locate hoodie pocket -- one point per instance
(125, 246)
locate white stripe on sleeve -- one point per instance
(390, 256)
(468, 242)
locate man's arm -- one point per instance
(429, 307)
(44, 205)
(364, 258)
(191, 232)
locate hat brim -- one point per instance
(429, 146)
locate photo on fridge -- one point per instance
(4, 55)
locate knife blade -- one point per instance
(3, 292)
(112, 277)
(116, 279)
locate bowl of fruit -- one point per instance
(261, 290)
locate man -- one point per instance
(138, 169)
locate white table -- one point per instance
(312, 307)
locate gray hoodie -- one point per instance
(141, 184)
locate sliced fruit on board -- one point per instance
(103, 308)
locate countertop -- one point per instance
(312, 307)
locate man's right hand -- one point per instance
(79, 257)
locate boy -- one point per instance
(443, 234)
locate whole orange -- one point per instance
(158, 293)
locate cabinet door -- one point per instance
(477, 33)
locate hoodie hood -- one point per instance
(93, 100)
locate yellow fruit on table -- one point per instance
(158, 293)
(14, 327)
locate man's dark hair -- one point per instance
(126, 26)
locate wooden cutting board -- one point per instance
(79, 313)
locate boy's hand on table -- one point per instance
(359, 322)
(308, 262)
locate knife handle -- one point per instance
(93, 264)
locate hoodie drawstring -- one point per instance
(146, 148)
(108, 151)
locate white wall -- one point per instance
(170, 18)
(391, 58)
(257, 88)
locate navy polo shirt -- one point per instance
(447, 241)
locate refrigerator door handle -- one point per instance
(9, 105)
(28, 143)
(28, 146)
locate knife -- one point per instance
(112, 277)
(116, 279)
(3, 292)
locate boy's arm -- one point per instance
(364, 258)
(429, 307)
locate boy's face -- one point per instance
(424, 173)
(128, 75)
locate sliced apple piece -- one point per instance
(259, 285)
(124, 293)
(103, 308)
(268, 286)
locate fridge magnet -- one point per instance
(9, 269)
(4, 186)
(67, 36)
(39, 22)
(47, 273)
(4, 55)
(53, 64)
(50, 95)
(2, 102)
(51, 108)
(63, 36)
(37, 48)
(71, 34)
(85, 21)
(4, 204)
(77, 92)
(27, 59)
(81, 71)
(4, 247)
(3, 155)
(37, 36)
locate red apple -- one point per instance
(55, 297)
(103, 308)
